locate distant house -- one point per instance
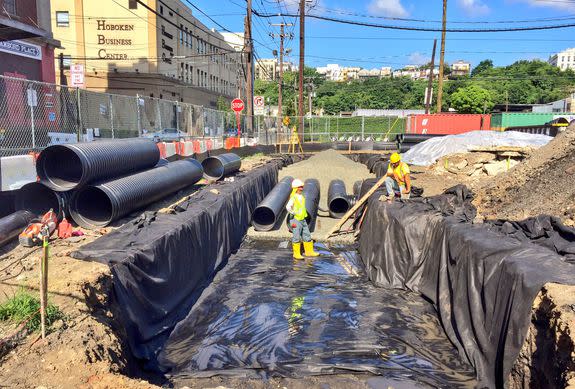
(460, 68)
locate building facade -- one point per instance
(26, 42)
(268, 69)
(154, 48)
(460, 68)
(564, 60)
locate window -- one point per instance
(161, 10)
(66, 61)
(62, 19)
(10, 6)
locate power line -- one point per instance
(422, 29)
(538, 20)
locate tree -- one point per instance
(472, 99)
(223, 104)
(484, 65)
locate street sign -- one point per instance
(237, 105)
(32, 96)
(77, 75)
(259, 105)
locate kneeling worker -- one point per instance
(297, 219)
(398, 181)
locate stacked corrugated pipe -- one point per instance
(99, 182)
(404, 142)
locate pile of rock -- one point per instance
(481, 162)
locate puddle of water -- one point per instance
(267, 315)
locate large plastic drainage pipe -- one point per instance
(95, 206)
(65, 167)
(415, 138)
(218, 166)
(337, 199)
(12, 225)
(312, 195)
(39, 199)
(267, 213)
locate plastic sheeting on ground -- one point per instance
(161, 262)
(482, 282)
(266, 314)
(428, 152)
(546, 231)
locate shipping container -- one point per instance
(500, 121)
(448, 123)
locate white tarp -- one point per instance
(428, 152)
(17, 171)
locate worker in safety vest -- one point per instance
(297, 219)
(398, 181)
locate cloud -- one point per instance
(558, 4)
(391, 8)
(473, 7)
(417, 58)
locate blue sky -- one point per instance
(329, 42)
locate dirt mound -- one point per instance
(543, 184)
(327, 166)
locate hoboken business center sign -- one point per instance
(108, 36)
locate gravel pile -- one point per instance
(326, 166)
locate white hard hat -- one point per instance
(296, 183)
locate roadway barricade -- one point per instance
(170, 149)
(162, 148)
(186, 148)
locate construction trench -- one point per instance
(422, 298)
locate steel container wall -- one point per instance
(500, 121)
(448, 124)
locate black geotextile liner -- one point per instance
(266, 314)
(161, 262)
(482, 282)
(544, 230)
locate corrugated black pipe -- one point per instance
(357, 187)
(415, 138)
(98, 205)
(267, 213)
(39, 199)
(337, 199)
(311, 193)
(219, 166)
(65, 167)
(12, 225)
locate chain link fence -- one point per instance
(34, 115)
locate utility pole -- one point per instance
(280, 84)
(429, 95)
(249, 49)
(301, 65)
(442, 58)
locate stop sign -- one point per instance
(238, 105)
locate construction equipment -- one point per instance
(34, 233)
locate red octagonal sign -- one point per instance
(238, 105)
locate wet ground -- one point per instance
(267, 316)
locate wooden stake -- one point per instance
(357, 205)
(44, 283)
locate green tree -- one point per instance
(484, 65)
(223, 104)
(472, 99)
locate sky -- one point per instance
(368, 47)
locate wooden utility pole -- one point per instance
(429, 95)
(280, 84)
(442, 58)
(301, 64)
(249, 49)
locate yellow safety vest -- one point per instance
(300, 212)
